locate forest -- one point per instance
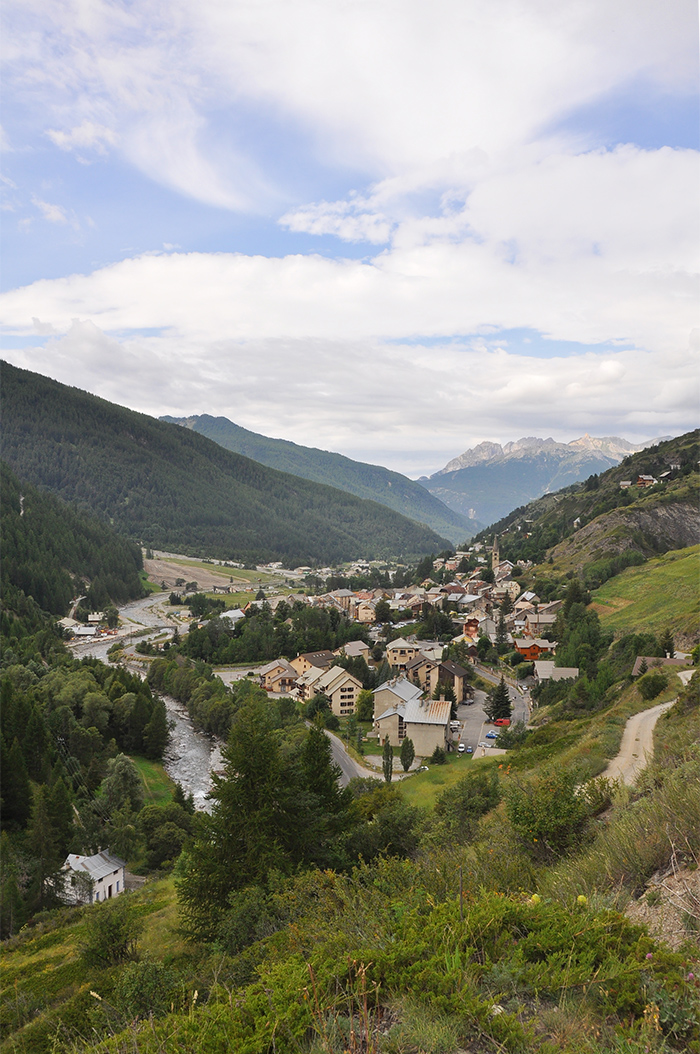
(170, 488)
(53, 552)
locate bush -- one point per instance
(111, 932)
(652, 684)
(145, 988)
(438, 756)
(548, 812)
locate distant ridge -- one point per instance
(487, 481)
(170, 488)
(372, 482)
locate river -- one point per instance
(190, 756)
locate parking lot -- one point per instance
(475, 726)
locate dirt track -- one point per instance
(637, 745)
(169, 571)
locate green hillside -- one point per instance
(664, 593)
(47, 546)
(372, 482)
(173, 489)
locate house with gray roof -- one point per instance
(400, 712)
(89, 879)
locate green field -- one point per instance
(662, 592)
(424, 788)
(157, 786)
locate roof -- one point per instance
(655, 660)
(454, 668)
(98, 866)
(402, 688)
(400, 643)
(545, 670)
(278, 664)
(318, 658)
(420, 712)
(355, 647)
(331, 679)
(232, 613)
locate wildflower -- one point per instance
(96, 996)
(649, 955)
(582, 900)
(691, 976)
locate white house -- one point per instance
(89, 879)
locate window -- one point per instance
(97, 895)
(117, 885)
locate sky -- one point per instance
(393, 228)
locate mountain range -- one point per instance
(372, 482)
(486, 482)
(170, 488)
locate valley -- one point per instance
(375, 760)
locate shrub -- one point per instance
(111, 932)
(652, 684)
(438, 756)
(145, 988)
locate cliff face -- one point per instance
(657, 529)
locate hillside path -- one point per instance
(637, 746)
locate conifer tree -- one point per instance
(16, 795)
(668, 644)
(387, 760)
(498, 702)
(61, 815)
(43, 849)
(408, 753)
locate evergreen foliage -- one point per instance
(173, 489)
(408, 753)
(372, 482)
(51, 549)
(498, 703)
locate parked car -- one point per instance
(492, 735)
(470, 750)
(461, 748)
(503, 721)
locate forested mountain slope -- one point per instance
(322, 466)
(487, 482)
(47, 545)
(171, 488)
(599, 520)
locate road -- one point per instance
(151, 613)
(348, 766)
(637, 746)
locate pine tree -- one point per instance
(408, 753)
(11, 905)
(387, 761)
(45, 856)
(263, 820)
(155, 734)
(668, 644)
(16, 797)
(61, 814)
(498, 702)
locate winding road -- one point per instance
(637, 746)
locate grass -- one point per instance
(157, 786)
(424, 788)
(661, 593)
(149, 586)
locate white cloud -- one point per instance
(591, 248)
(87, 135)
(181, 89)
(52, 213)
(407, 406)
